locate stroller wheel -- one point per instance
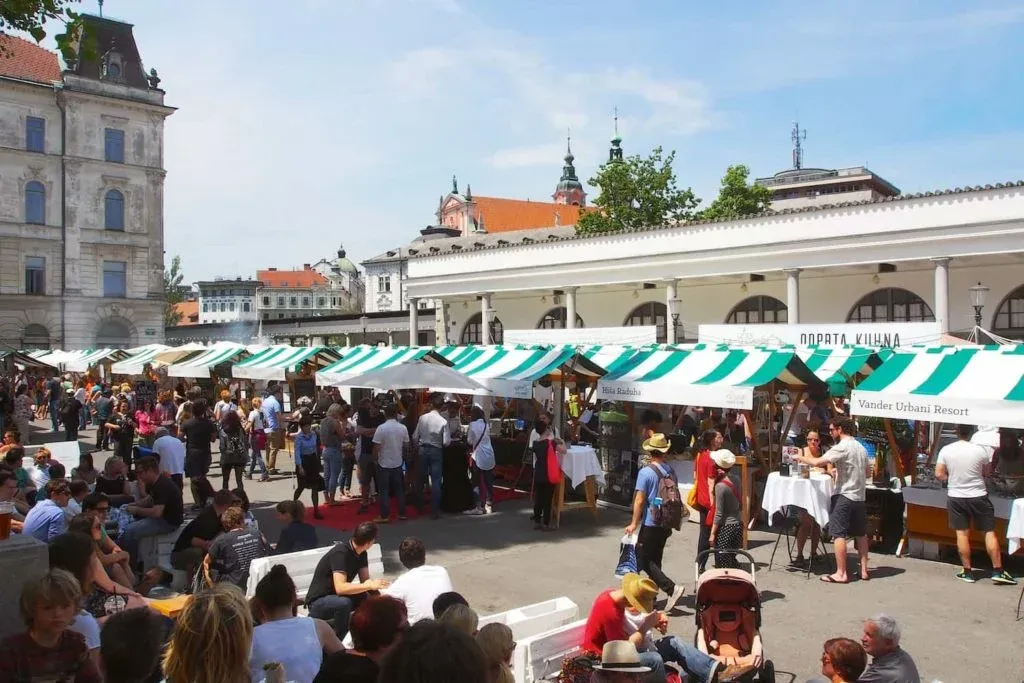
(767, 674)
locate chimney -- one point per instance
(305, 266)
(272, 269)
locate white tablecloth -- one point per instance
(581, 462)
(1015, 529)
(813, 495)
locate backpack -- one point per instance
(671, 512)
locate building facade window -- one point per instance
(266, 301)
(384, 283)
(293, 301)
(472, 333)
(653, 313)
(758, 310)
(245, 307)
(280, 316)
(231, 306)
(35, 275)
(115, 279)
(113, 334)
(1009, 318)
(113, 210)
(223, 307)
(280, 302)
(891, 305)
(321, 302)
(305, 302)
(113, 145)
(266, 316)
(555, 319)
(35, 336)
(35, 202)
(35, 134)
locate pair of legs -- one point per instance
(730, 537)
(332, 471)
(431, 464)
(348, 465)
(390, 482)
(275, 442)
(336, 611)
(808, 529)
(703, 538)
(650, 553)
(225, 475)
(366, 471)
(71, 433)
(54, 417)
(187, 560)
(979, 512)
(138, 530)
(697, 665)
(848, 519)
(256, 459)
(543, 497)
(485, 482)
(102, 436)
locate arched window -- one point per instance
(757, 310)
(555, 319)
(113, 334)
(35, 202)
(113, 210)
(891, 305)
(652, 313)
(35, 336)
(1009, 319)
(472, 332)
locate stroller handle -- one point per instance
(703, 555)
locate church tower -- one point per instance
(569, 190)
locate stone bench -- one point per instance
(531, 620)
(301, 566)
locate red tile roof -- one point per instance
(291, 278)
(504, 215)
(27, 61)
(189, 312)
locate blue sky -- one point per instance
(344, 120)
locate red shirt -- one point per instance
(606, 622)
(704, 469)
(23, 659)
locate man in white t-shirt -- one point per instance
(419, 586)
(389, 440)
(170, 451)
(964, 466)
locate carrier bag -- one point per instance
(627, 556)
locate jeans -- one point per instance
(83, 417)
(348, 464)
(54, 417)
(657, 664)
(697, 664)
(431, 462)
(256, 459)
(650, 551)
(102, 435)
(332, 469)
(71, 432)
(390, 481)
(138, 530)
(485, 480)
(336, 611)
(703, 538)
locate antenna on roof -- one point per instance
(616, 122)
(798, 136)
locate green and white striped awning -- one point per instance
(200, 365)
(24, 359)
(704, 375)
(978, 386)
(83, 360)
(511, 371)
(362, 359)
(133, 364)
(611, 358)
(276, 362)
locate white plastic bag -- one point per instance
(627, 556)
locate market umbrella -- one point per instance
(415, 374)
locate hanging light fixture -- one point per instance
(978, 294)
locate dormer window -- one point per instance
(113, 64)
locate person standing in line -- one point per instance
(964, 466)
(53, 392)
(543, 488)
(367, 420)
(332, 436)
(389, 442)
(704, 480)
(307, 464)
(102, 410)
(70, 415)
(83, 413)
(274, 425)
(848, 517)
(482, 456)
(431, 436)
(254, 425)
(233, 452)
(650, 546)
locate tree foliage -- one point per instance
(737, 198)
(31, 16)
(172, 292)
(637, 193)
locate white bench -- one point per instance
(531, 620)
(67, 453)
(539, 657)
(155, 551)
(301, 566)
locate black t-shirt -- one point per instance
(205, 526)
(345, 666)
(165, 492)
(231, 554)
(53, 386)
(70, 409)
(340, 558)
(198, 431)
(364, 419)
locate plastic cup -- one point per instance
(6, 513)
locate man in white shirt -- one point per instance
(170, 451)
(964, 466)
(420, 586)
(432, 436)
(848, 516)
(389, 440)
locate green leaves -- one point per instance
(737, 198)
(30, 16)
(172, 292)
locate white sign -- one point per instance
(855, 334)
(972, 411)
(671, 393)
(585, 336)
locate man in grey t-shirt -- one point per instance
(889, 662)
(848, 517)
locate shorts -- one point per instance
(275, 439)
(197, 465)
(847, 518)
(964, 511)
(367, 469)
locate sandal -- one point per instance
(829, 579)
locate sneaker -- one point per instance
(968, 576)
(1004, 578)
(676, 596)
(474, 512)
(488, 509)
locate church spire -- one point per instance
(569, 189)
(615, 152)
(569, 171)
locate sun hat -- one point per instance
(657, 442)
(639, 592)
(621, 655)
(724, 458)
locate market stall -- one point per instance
(281, 362)
(84, 360)
(138, 359)
(19, 358)
(363, 359)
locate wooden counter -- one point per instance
(927, 519)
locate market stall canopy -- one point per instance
(416, 374)
(611, 358)
(703, 375)
(173, 355)
(510, 371)
(276, 362)
(83, 360)
(362, 359)
(140, 356)
(57, 358)
(25, 360)
(978, 386)
(200, 365)
(838, 365)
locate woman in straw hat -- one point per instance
(727, 527)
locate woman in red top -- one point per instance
(704, 479)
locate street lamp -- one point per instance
(978, 293)
(363, 320)
(673, 310)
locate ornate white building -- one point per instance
(81, 194)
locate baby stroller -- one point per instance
(728, 614)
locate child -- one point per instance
(48, 651)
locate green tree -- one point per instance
(637, 193)
(31, 16)
(737, 198)
(172, 292)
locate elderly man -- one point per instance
(170, 452)
(889, 662)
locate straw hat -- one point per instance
(724, 458)
(657, 442)
(640, 592)
(621, 655)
